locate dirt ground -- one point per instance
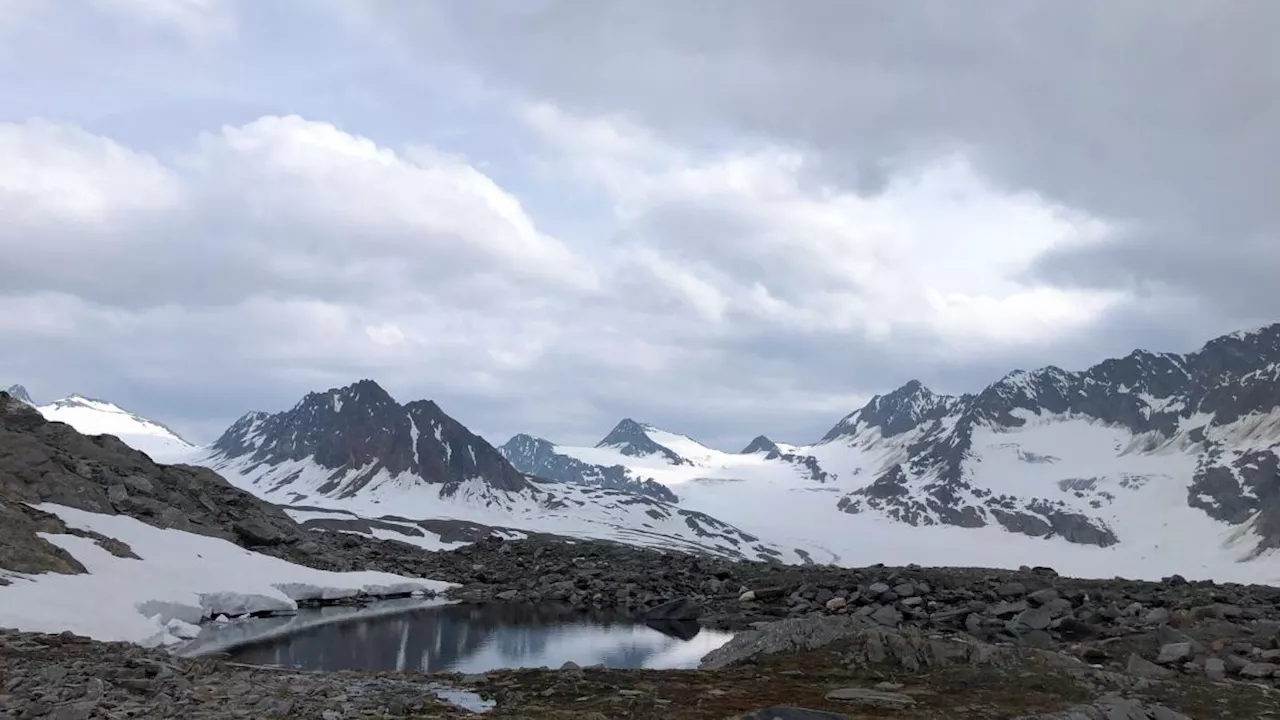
(804, 679)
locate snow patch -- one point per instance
(98, 417)
(181, 576)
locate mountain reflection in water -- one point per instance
(478, 638)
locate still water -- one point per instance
(467, 639)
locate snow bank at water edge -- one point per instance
(181, 579)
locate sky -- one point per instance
(725, 218)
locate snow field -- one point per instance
(181, 579)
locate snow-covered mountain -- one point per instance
(1152, 444)
(1150, 464)
(99, 417)
(356, 449)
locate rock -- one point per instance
(1058, 607)
(748, 596)
(1141, 667)
(877, 589)
(1259, 670)
(1073, 629)
(255, 532)
(1011, 589)
(782, 712)
(1030, 619)
(678, 609)
(836, 603)
(904, 589)
(1235, 663)
(1007, 609)
(872, 698)
(1175, 653)
(117, 495)
(1158, 616)
(1215, 669)
(1042, 596)
(887, 615)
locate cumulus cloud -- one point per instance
(1153, 115)
(759, 233)
(280, 205)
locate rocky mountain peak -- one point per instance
(360, 433)
(632, 439)
(18, 392)
(761, 444)
(524, 450)
(894, 413)
(362, 397)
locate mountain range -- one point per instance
(1149, 464)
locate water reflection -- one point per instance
(477, 638)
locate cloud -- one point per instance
(1172, 144)
(281, 204)
(762, 234)
(724, 217)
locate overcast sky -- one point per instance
(724, 217)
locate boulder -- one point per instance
(679, 609)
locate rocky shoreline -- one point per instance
(1154, 628)
(812, 666)
(907, 642)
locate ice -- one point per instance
(182, 630)
(233, 603)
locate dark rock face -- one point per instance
(761, 444)
(17, 392)
(536, 456)
(904, 409)
(1155, 396)
(359, 431)
(632, 439)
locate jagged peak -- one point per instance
(911, 388)
(1264, 337)
(912, 396)
(1270, 330)
(364, 392)
(18, 392)
(1026, 380)
(894, 412)
(761, 443)
(526, 439)
(628, 424)
(626, 428)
